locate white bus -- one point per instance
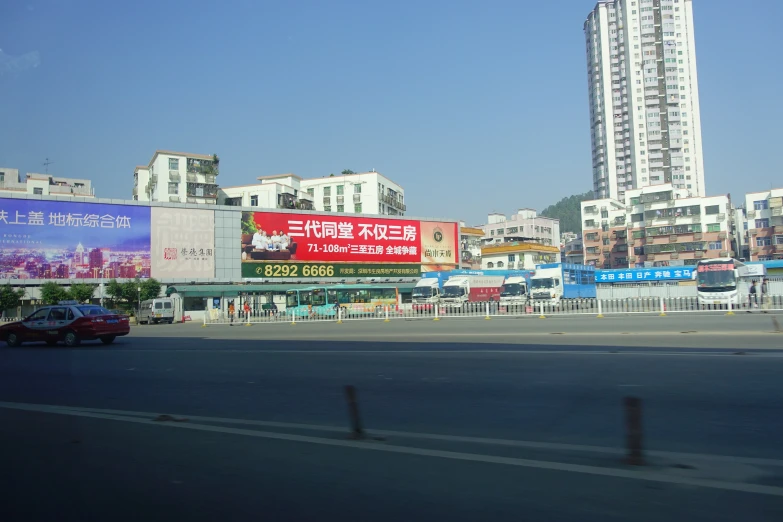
(724, 280)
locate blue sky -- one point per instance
(473, 107)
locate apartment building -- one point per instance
(763, 225)
(360, 193)
(660, 226)
(43, 184)
(573, 251)
(525, 225)
(645, 122)
(178, 177)
(517, 256)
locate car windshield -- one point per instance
(291, 300)
(542, 283)
(512, 289)
(93, 310)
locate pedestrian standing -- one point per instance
(231, 313)
(765, 294)
(753, 298)
(246, 309)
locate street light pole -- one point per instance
(139, 313)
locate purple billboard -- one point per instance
(73, 240)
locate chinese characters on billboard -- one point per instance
(183, 243)
(276, 244)
(73, 240)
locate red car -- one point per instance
(67, 322)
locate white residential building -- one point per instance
(43, 184)
(360, 193)
(764, 224)
(177, 177)
(657, 226)
(645, 122)
(524, 226)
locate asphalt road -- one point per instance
(465, 420)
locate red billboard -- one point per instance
(313, 238)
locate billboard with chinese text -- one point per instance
(278, 244)
(183, 243)
(633, 275)
(73, 240)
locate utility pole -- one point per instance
(46, 164)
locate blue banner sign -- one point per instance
(633, 275)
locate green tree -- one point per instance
(10, 297)
(53, 293)
(569, 211)
(150, 289)
(248, 223)
(114, 290)
(128, 293)
(81, 292)
(347, 171)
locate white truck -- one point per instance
(459, 291)
(514, 291)
(554, 282)
(425, 295)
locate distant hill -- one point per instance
(568, 210)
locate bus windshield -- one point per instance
(715, 279)
(291, 299)
(542, 283)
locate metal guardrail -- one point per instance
(488, 310)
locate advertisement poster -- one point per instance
(73, 240)
(276, 244)
(183, 243)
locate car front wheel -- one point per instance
(108, 339)
(71, 339)
(13, 340)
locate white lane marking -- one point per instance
(413, 435)
(637, 474)
(590, 350)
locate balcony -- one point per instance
(591, 210)
(174, 176)
(778, 229)
(357, 198)
(201, 166)
(606, 250)
(327, 200)
(135, 191)
(621, 234)
(751, 214)
(154, 179)
(392, 201)
(721, 235)
(305, 204)
(192, 178)
(201, 190)
(340, 200)
(753, 231)
(778, 211)
(755, 251)
(210, 179)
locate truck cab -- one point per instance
(546, 286)
(426, 294)
(514, 291)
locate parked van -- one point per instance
(158, 310)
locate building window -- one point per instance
(713, 227)
(340, 189)
(716, 245)
(763, 241)
(327, 208)
(762, 223)
(490, 265)
(340, 208)
(779, 240)
(712, 209)
(357, 208)
(761, 205)
(327, 191)
(500, 264)
(254, 201)
(311, 191)
(173, 189)
(173, 164)
(38, 190)
(357, 188)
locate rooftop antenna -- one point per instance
(46, 164)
